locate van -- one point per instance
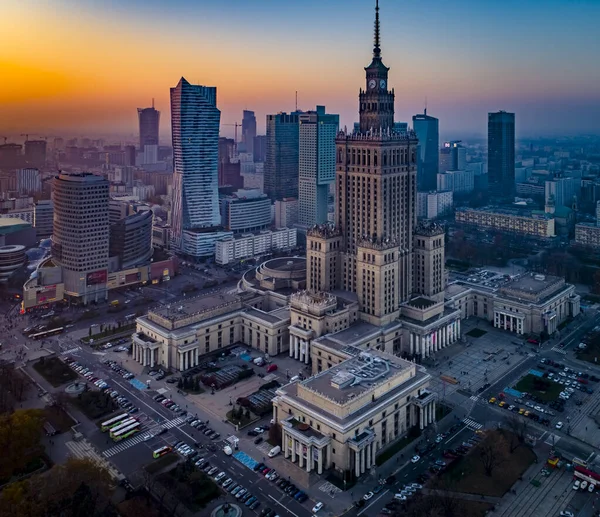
(271, 368)
(274, 451)
(227, 450)
(295, 378)
(259, 361)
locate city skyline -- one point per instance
(462, 60)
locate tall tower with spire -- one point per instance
(376, 102)
(375, 204)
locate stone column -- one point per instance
(369, 456)
(320, 461)
(309, 460)
(284, 443)
(412, 343)
(307, 355)
(421, 417)
(373, 453)
(356, 463)
(458, 322)
(297, 349)
(293, 450)
(301, 455)
(292, 338)
(433, 411)
(181, 361)
(151, 358)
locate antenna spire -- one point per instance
(377, 49)
(152, 102)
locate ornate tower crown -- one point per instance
(376, 101)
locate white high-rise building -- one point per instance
(195, 129)
(431, 205)
(316, 164)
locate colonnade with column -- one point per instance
(433, 341)
(144, 355)
(300, 348)
(294, 448)
(426, 414)
(188, 359)
(507, 321)
(364, 458)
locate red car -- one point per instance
(533, 341)
(271, 368)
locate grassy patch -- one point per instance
(54, 371)
(543, 388)
(395, 448)
(476, 332)
(161, 463)
(191, 486)
(94, 404)
(58, 418)
(468, 473)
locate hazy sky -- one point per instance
(75, 66)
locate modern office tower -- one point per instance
(428, 274)
(286, 212)
(80, 236)
(248, 131)
(131, 240)
(565, 191)
(43, 218)
(149, 119)
(501, 153)
(453, 156)
(130, 155)
(427, 129)
(375, 204)
(35, 153)
(246, 211)
(260, 148)
(29, 181)
(195, 129)
(229, 171)
(281, 164)
(316, 167)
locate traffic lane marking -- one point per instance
(367, 507)
(285, 508)
(454, 435)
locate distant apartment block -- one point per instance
(29, 181)
(431, 205)
(248, 245)
(43, 218)
(458, 182)
(587, 234)
(531, 223)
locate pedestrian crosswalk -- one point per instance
(71, 351)
(139, 437)
(329, 488)
(124, 445)
(559, 350)
(83, 450)
(169, 424)
(474, 398)
(471, 424)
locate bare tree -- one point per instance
(517, 432)
(492, 453)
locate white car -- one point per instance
(368, 496)
(317, 507)
(559, 425)
(399, 497)
(415, 459)
(583, 485)
(591, 487)
(416, 486)
(148, 436)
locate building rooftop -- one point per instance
(184, 308)
(12, 224)
(535, 214)
(421, 303)
(356, 376)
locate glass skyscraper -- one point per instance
(501, 153)
(195, 128)
(316, 164)
(427, 130)
(281, 164)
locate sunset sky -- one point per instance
(82, 66)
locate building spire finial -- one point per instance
(377, 49)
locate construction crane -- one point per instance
(235, 138)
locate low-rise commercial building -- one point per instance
(246, 211)
(525, 222)
(248, 245)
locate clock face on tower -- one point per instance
(382, 84)
(372, 83)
